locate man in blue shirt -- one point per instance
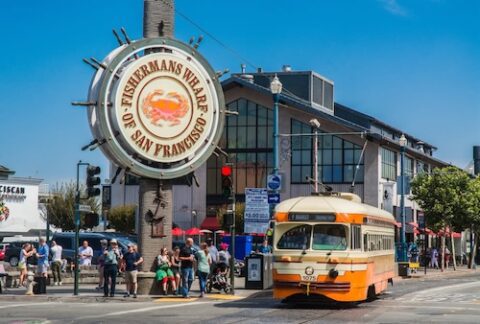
(132, 260)
(42, 257)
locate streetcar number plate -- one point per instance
(309, 278)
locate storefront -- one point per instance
(21, 213)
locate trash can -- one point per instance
(40, 286)
(404, 269)
(258, 271)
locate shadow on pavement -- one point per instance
(299, 302)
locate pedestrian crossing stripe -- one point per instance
(223, 297)
(175, 299)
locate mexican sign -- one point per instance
(159, 108)
(257, 210)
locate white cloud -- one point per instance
(393, 7)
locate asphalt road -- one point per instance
(452, 300)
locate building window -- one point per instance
(422, 167)
(248, 140)
(337, 158)
(389, 164)
(301, 152)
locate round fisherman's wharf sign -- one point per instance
(164, 107)
(159, 108)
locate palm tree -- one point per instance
(158, 18)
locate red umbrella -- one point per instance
(193, 231)
(177, 231)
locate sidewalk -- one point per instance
(88, 293)
(435, 273)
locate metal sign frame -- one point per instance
(102, 88)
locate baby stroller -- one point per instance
(219, 280)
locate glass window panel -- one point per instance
(327, 142)
(337, 157)
(306, 141)
(337, 142)
(296, 157)
(212, 162)
(232, 121)
(242, 137)
(262, 137)
(242, 112)
(347, 145)
(327, 174)
(348, 173)
(348, 156)
(270, 137)
(296, 174)
(232, 137)
(327, 157)
(357, 155)
(270, 117)
(270, 160)
(252, 114)
(262, 159)
(306, 172)
(306, 157)
(337, 173)
(251, 137)
(262, 116)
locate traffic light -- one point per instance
(91, 220)
(93, 181)
(227, 183)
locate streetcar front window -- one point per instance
(329, 237)
(297, 238)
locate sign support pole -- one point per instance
(77, 228)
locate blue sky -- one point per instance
(413, 64)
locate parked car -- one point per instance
(12, 253)
(67, 241)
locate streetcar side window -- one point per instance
(297, 238)
(356, 238)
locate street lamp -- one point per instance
(276, 89)
(316, 125)
(403, 143)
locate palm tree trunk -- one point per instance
(158, 18)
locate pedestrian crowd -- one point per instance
(175, 269)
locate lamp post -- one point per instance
(403, 143)
(276, 89)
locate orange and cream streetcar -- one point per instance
(332, 245)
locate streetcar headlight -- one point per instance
(333, 273)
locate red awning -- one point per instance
(210, 223)
(193, 231)
(177, 231)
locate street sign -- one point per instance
(84, 208)
(274, 182)
(273, 198)
(256, 198)
(257, 210)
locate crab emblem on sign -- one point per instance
(170, 107)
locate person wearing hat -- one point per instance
(111, 257)
(101, 263)
(132, 260)
(223, 258)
